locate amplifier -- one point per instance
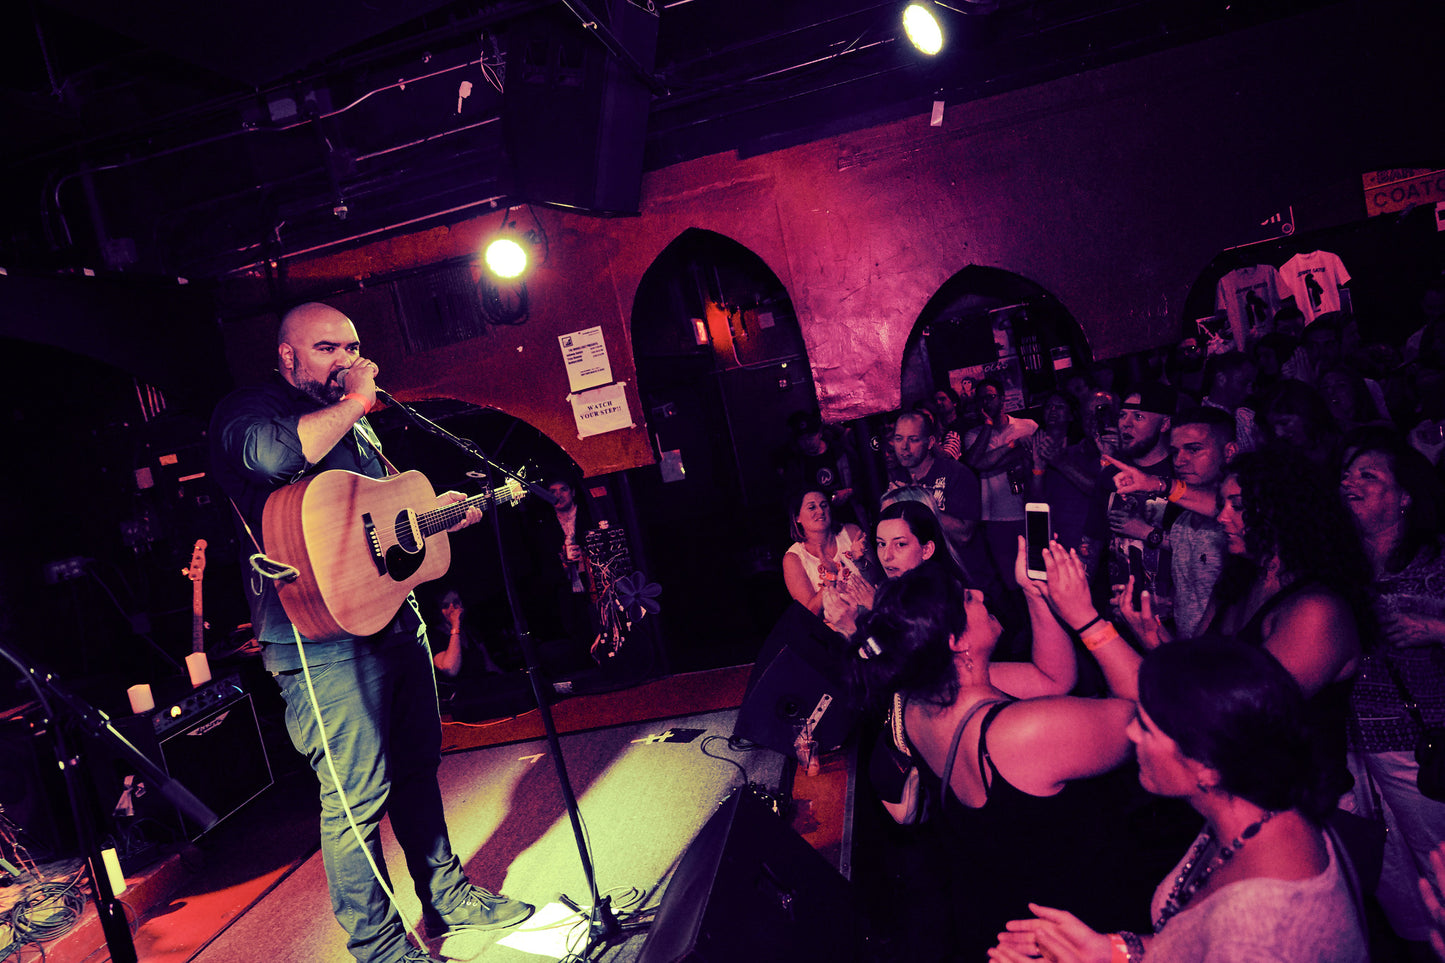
(182, 708)
(212, 744)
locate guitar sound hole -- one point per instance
(408, 534)
(407, 555)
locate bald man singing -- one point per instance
(375, 696)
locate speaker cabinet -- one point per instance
(799, 674)
(218, 755)
(749, 888)
(574, 117)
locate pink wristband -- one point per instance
(356, 396)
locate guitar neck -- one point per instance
(441, 519)
(198, 622)
(195, 572)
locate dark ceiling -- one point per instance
(189, 138)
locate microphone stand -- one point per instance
(83, 806)
(602, 923)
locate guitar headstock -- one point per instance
(511, 492)
(197, 568)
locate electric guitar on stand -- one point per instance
(195, 571)
(360, 545)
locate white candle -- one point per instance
(199, 669)
(141, 699)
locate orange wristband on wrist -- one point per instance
(1100, 635)
(352, 395)
(1177, 492)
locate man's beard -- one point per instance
(1139, 446)
(327, 392)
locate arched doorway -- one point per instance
(989, 321)
(720, 367)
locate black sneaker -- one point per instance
(415, 955)
(481, 910)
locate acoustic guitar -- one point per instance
(360, 545)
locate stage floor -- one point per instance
(648, 765)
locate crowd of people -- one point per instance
(1244, 611)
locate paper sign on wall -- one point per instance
(600, 410)
(585, 355)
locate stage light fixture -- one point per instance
(506, 256)
(924, 27)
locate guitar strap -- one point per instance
(262, 565)
(363, 430)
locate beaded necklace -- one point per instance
(1188, 884)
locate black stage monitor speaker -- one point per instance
(574, 117)
(799, 675)
(749, 888)
(217, 754)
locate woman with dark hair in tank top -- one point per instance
(1028, 801)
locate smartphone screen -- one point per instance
(1136, 569)
(1037, 531)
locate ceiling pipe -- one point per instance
(609, 40)
(490, 202)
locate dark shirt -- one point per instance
(1123, 554)
(956, 492)
(954, 486)
(548, 541)
(826, 472)
(255, 449)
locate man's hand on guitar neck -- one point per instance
(474, 514)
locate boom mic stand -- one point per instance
(602, 924)
(83, 806)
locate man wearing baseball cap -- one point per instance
(1126, 530)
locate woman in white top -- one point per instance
(1220, 724)
(824, 555)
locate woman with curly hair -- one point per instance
(1296, 584)
(1297, 579)
(1304, 588)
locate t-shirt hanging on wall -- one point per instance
(1249, 297)
(1314, 280)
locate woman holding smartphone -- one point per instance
(1022, 796)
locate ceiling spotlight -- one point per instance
(923, 20)
(922, 25)
(506, 257)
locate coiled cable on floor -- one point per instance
(45, 911)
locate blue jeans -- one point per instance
(381, 720)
